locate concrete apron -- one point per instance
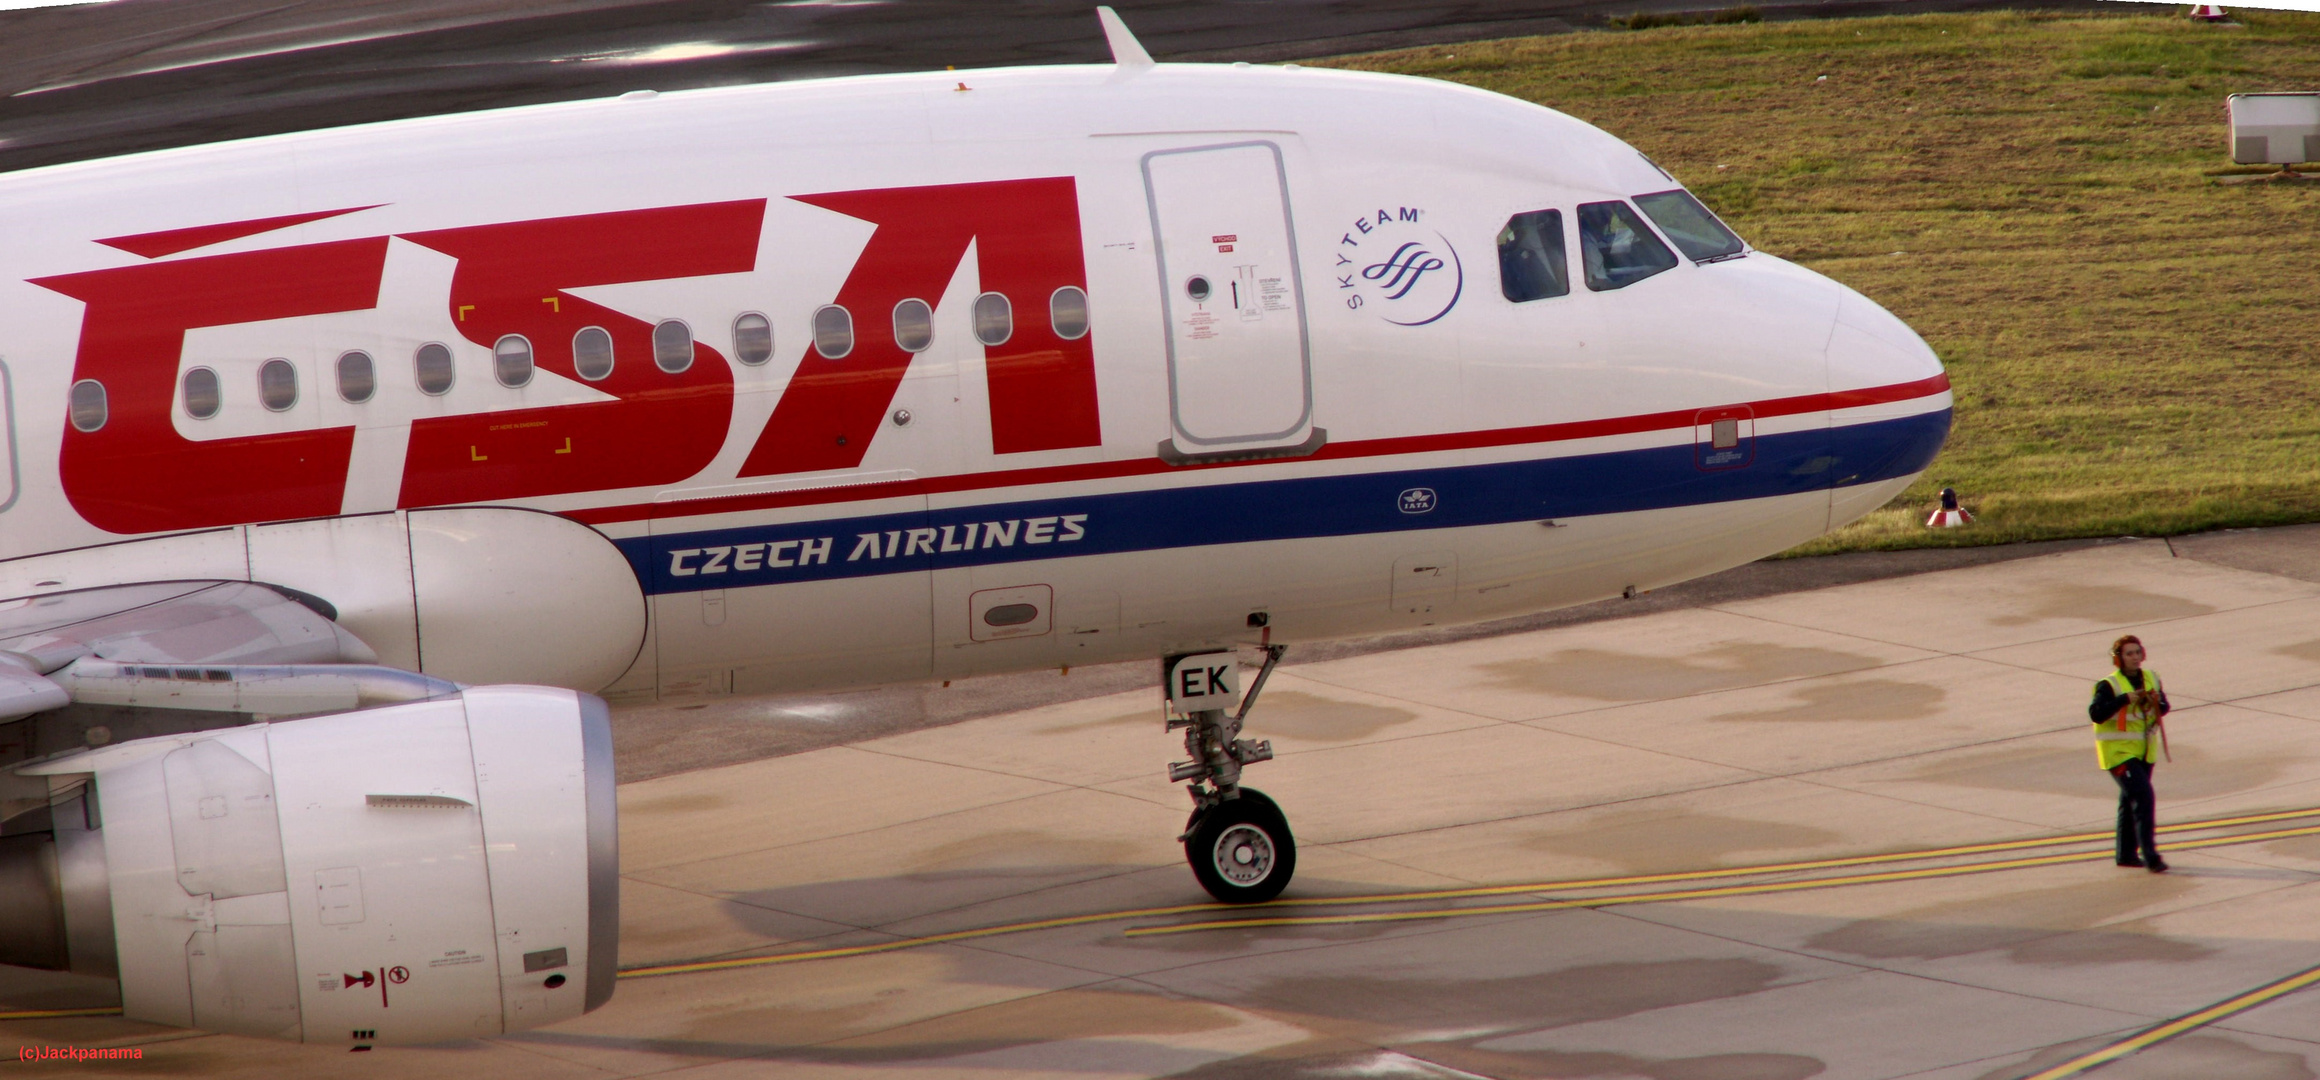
(1902, 714)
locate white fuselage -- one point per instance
(1343, 426)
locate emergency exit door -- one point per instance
(1239, 368)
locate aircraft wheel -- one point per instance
(1241, 849)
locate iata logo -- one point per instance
(1417, 500)
(1391, 264)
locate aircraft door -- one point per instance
(1239, 365)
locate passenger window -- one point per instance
(432, 366)
(994, 319)
(86, 405)
(358, 378)
(277, 384)
(201, 393)
(672, 346)
(592, 353)
(1530, 257)
(833, 332)
(913, 325)
(752, 339)
(1067, 312)
(1618, 248)
(1695, 231)
(511, 361)
(1011, 614)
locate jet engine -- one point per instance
(439, 869)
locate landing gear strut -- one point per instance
(1237, 840)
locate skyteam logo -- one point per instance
(1390, 263)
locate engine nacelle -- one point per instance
(442, 869)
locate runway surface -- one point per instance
(1843, 832)
(104, 79)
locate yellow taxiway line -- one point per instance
(2153, 1036)
(59, 1014)
(1485, 891)
(693, 966)
(1781, 868)
(2084, 1063)
(1710, 893)
(839, 952)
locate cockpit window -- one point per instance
(1696, 232)
(1530, 257)
(1617, 247)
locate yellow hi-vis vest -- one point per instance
(2127, 736)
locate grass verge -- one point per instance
(2131, 341)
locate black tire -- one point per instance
(1241, 850)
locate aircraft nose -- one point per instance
(1889, 406)
(1870, 347)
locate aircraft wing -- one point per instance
(175, 656)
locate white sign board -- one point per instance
(2275, 129)
(1203, 681)
(2280, 5)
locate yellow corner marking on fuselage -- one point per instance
(567, 447)
(555, 304)
(473, 456)
(463, 310)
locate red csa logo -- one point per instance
(137, 474)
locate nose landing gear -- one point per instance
(1240, 849)
(1237, 840)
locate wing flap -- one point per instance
(24, 692)
(136, 653)
(269, 690)
(231, 622)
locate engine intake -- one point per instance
(435, 870)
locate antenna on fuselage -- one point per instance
(1127, 52)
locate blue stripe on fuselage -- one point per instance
(1227, 513)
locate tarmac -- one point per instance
(1846, 831)
(115, 78)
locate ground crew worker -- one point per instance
(2126, 711)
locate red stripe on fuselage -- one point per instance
(154, 245)
(515, 278)
(1363, 448)
(135, 473)
(1027, 242)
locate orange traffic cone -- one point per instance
(1951, 515)
(2207, 12)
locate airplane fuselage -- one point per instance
(912, 377)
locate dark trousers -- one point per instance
(2138, 812)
